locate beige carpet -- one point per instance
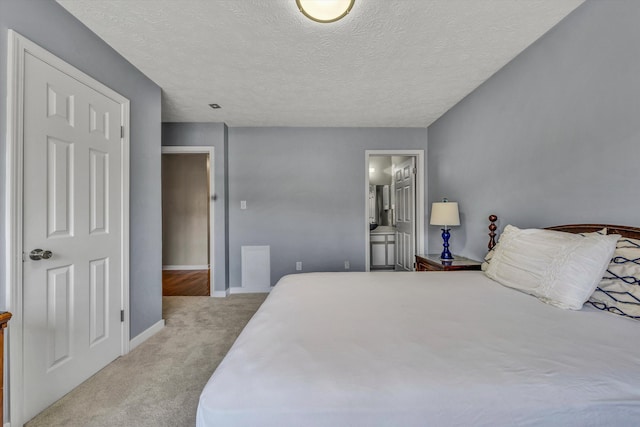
(159, 382)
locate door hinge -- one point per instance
(23, 258)
(122, 315)
(415, 171)
(121, 131)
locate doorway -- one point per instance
(394, 218)
(187, 221)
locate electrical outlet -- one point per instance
(299, 266)
(347, 265)
(243, 204)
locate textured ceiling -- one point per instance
(389, 63)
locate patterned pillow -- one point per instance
(619, 290)
(489, 255)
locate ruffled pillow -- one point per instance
(561, 269)
(489, 255)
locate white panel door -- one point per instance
(72, 208)
(404, 180)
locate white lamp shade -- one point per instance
(325, 10)
(445, 213)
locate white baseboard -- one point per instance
(221, 294)
(186, 267)
(241, 290)
(140, 338)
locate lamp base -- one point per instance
(445, 255)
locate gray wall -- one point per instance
(210, 135)
(553, 137)
(305, 193)
(185, 209)
(49, 25)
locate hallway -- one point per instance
(188, 283)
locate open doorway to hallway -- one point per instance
(394, 209)
(192, 283)
(187, 221)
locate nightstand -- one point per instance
(432, 262)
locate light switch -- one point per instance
(243, 204)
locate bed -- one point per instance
(425, 349)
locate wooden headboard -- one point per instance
(623, 230)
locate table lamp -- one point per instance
(445, 213)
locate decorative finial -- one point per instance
(492, 231)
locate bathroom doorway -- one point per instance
(187, 221)
(394, 226)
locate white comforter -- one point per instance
(423, 349)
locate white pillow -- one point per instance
(489, 255)
(561, 269)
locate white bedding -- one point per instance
(423, 349)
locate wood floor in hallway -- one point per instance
(193, 283)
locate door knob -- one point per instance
(38, 254)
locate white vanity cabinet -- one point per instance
(382, 242)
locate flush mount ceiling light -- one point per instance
(325, 10)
